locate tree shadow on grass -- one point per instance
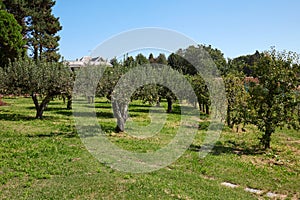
(65, 112)
(101, 114)
(53, 134)
(133, 105)
(15, 117)
(108, 106)
(50, 108)
(106, 115)
(139, 110)
(20, 117)
(231, 147)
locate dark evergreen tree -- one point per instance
(11, 41)
(39, 25)
(151, 58)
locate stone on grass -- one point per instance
(255, 191)
(274, 195)
(231, 185)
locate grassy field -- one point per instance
(45, 159)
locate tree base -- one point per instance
(118, 130)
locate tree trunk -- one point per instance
(169, 100)
(266, 139)
(120, 125)
(200, 106)
(69, 103)
(40, 51)
(121, 113)
(40, 107)
(35, 53)
(228, 119)
(90, 99)
(158, 102)
(207, 109)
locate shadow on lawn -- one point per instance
(53, 134)
(231, 147)
(15, 117)
(132, 105)
(106, 106)
(101, 114)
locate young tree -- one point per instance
(42, 80)
(12, 43)
(236, 99)
(201, 91)
(273, 98)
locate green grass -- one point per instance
(45, 159)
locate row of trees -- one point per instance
(261, 89)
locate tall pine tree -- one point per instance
(39, 26)
(11, 42)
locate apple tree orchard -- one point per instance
(273, 98)
(42, 80)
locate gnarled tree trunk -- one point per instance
(41, 107)
(120, 110)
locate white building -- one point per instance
(87, 60)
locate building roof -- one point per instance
(87, 60)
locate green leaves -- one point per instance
(11, 40)
(39, 26)
(43, 79)
(273, 98)
(236, 98)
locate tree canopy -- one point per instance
(273, 97)
(42, 80)
(39, 26)
(11, 39)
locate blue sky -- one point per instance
(236, 27)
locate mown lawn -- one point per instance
(45, 159)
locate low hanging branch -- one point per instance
(40, 107)
(43, 80)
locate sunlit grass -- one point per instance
(45, 159)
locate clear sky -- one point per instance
(236, 27)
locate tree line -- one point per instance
(261, 89)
